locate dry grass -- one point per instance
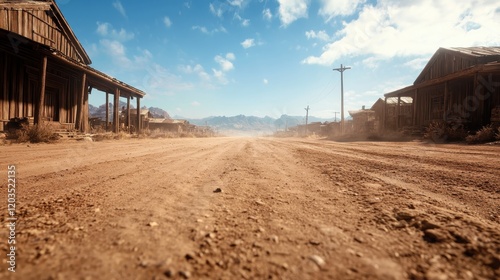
(441, 132)
(484, 135)
(39, 133)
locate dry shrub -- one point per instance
(484, 135)
(102, 137)
(440, 132)
(38, 133)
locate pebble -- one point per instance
(153, 224)
(404, 215)
(258, 202)
(274, 238)
(319, 261)
(217, 190)
(185, 274)
(236, 242)
(314, 242)
(435, 235)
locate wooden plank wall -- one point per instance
(39, 26)
(447, 63)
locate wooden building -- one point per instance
(363, 121)
(457, 84)
(44, 70)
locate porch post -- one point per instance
(385, 114)
(128, 114)
(138, 129)
(107, 111)
(398, 114)
(116, 115)
(41, 103)
(79, 108)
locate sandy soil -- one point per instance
(289, 209)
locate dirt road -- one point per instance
(289, 209)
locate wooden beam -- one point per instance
(385, 114)
(445, 101)
(138, 128)
(128, 114)
(79, 106)
(43, 78)
(85, 118)
(415, 108)
(107, 111)
(116, 117)
(398, 113)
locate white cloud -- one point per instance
(245, 22)
(248, 43)
(321, 35)
(196, 69)
(330, 9)
(167, 22)
(216, 11)
(225, 63)
(119, 7)
(394, 28)
(106, 30)
(116, 50)
(205, 30)
(195, 103)
(238, 3)
(291, 10)
(160, 81)
(265, 81)
(266, 14)
(220, 76)
(417, 63)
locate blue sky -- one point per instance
(197, 58)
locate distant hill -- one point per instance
(244, 123)
(159, 113)
(239, 124)
(100, 112)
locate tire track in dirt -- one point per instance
(286, 207)
(469, 244)
(438, 178)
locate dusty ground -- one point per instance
(289, 209)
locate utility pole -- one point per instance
(336, 116)
(307, 116)
(341, 70)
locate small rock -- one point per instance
(236, 242)
(169, 273)
(97, 210)
(274, 238)
(435, 235)
(217, 190)
(153, 224)
(359, 240)
(118, 242)
(425, 225)
(404, 215)
(314, 242)
(258, 202)
(185, 274)
(189, 256)
(319, 261)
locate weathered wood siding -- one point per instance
(36, 23)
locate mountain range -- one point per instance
(239, 124)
